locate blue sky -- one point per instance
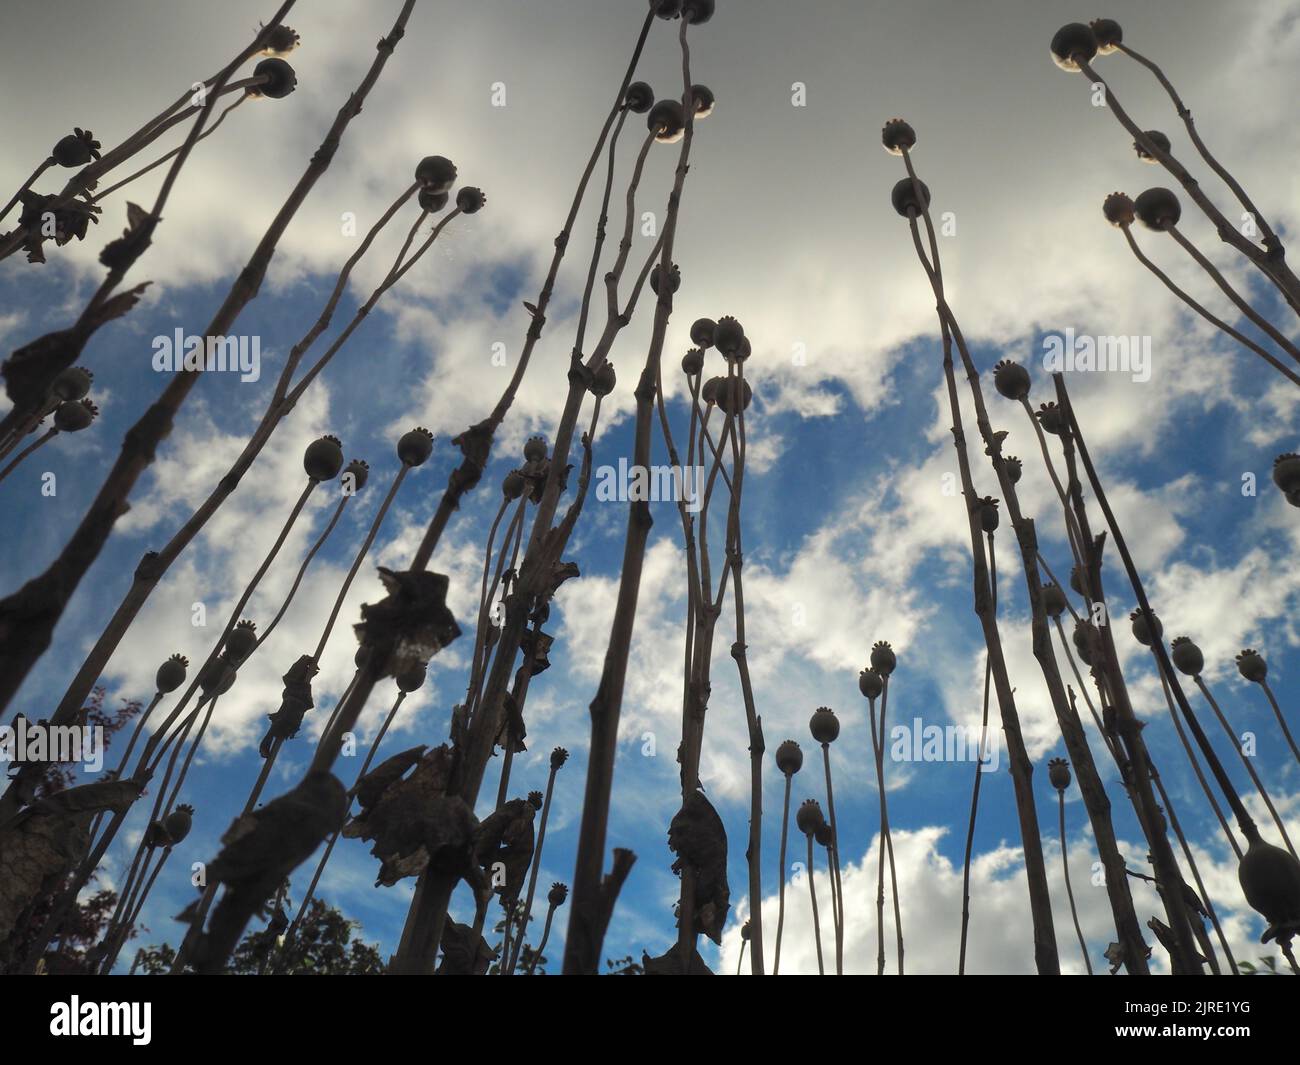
(849, 539)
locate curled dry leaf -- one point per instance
(504, 841)
(411, 820)
(697, 837)
(30, 371)
(536, 646)
(295, 701)
(464, 951)
(669, 964)
(411, 624)
(513, 732)
(261, 849)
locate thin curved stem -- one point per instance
(302, 569)
(1281, 721)
(781, 878)
(1069, 891)
(975, 787)
(1245, 761)
(1218, 323)
(44, 438)
(163, 158)
(889, 837)
(1238, 301)
(812, 894)
(44, 166)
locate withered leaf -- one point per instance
(411, 624)
(696, 835)
(505, 838)
(669, 964)
(414, 824)
(464, 951)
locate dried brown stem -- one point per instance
(1218, 323)
(1045, 953)
(38, 606)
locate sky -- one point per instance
(850, 537)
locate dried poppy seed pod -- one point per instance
(355, 476)
(697, 12)
(241, 641)
(789, 758)
(436, 173)
(171, 674)
(666, 9)
(1053, 600)
(415, 446)
(1286, 472)
(470, 199)
(412, 679)
(558, 757)
(674, 278)
(883, 660)
(746, 349)
(988, 507)
(604, 379)
(1051, 418)
(281, 41)
(323, 458)
(1108, 33)
(745, 932)
(1015, 468)
(1077, 581)
(1158, 209)
(558, 893)
(1251, 665)
(702, 332)
(809, 817)
(897, 136)
(178, 823)
(1073, 42)
(72, 383)
(870, 684)
(1119, 210)
(1187, 656)
(1158, 139)
(667, 121)
(432, 202)
(1011, 379)
(709, 393)
(639, 98)
(693, 362)
(728, 336)
(535, 449)
(904, 198)
(514, 484)
(76, 149)
(1270, 880)
(824, 725)
(212, 673)
(1084, 636)
(1058, 772)
(704, 100)
(74, 415)
(1141, 630)
(535, 800)
(733, 395)
(823, 835)
(280, 79)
